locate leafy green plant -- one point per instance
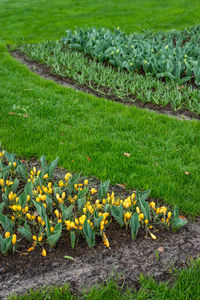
(112, 82)
(169, 55)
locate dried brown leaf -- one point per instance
(127, 154)
(121, 185)
(161, 249)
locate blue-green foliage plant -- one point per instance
(172, 55)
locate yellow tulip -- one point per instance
(44, 252)
(14, 239)
(169, 215)
(7, 234)
(56, 212)
(153, 236)
(85, 182)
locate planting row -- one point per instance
(35, 207)
(109, 81)
(173, 55)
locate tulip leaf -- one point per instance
(25, 232)
(135, 224)
(117, 213)
(66, 212)
(72, 238)
(53, 239)
(89, 234)
(178, 223)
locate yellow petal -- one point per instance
(153, 236)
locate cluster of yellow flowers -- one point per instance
(40, 209)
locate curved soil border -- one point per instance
(130, 258)
(45, 72)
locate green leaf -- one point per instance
(141, 197)
(144, 195)
(43, 161)
(29, 189)
(66, 212)
(52, 167)
(147, 211)
(40, 209)
(72, 181)
(22, 200)
(178, 223)
(72, 238)
(107, 208)
(81, 198)
(25, 232)
(6, 223)
(22, 171)
(38, 181)
(176, 212)
(97, 219)
(5, 172)
(135, 224)
(15, 185)
(10, 156)
(103, 189)
(5, 199)
(5, 244)
(57, 190)
(68, 257)
(8, 244)
(53, 239)
(49, 203)
(89, 234)
(2, 205)
(47, 223)
(118, 213)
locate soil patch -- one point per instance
(47, 73)
(130, 258)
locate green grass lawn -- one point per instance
(75, 125)
(42, 20)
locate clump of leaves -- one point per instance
(173, 55)
(39, 209)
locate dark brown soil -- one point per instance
(47, 73)
(19, 272)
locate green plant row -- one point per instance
(173, 55)
(35, 207)
(109, 81)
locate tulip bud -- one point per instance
(14, 239)
(44, 252)
(7, 234)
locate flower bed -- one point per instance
(35, 207)
(173, 55)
